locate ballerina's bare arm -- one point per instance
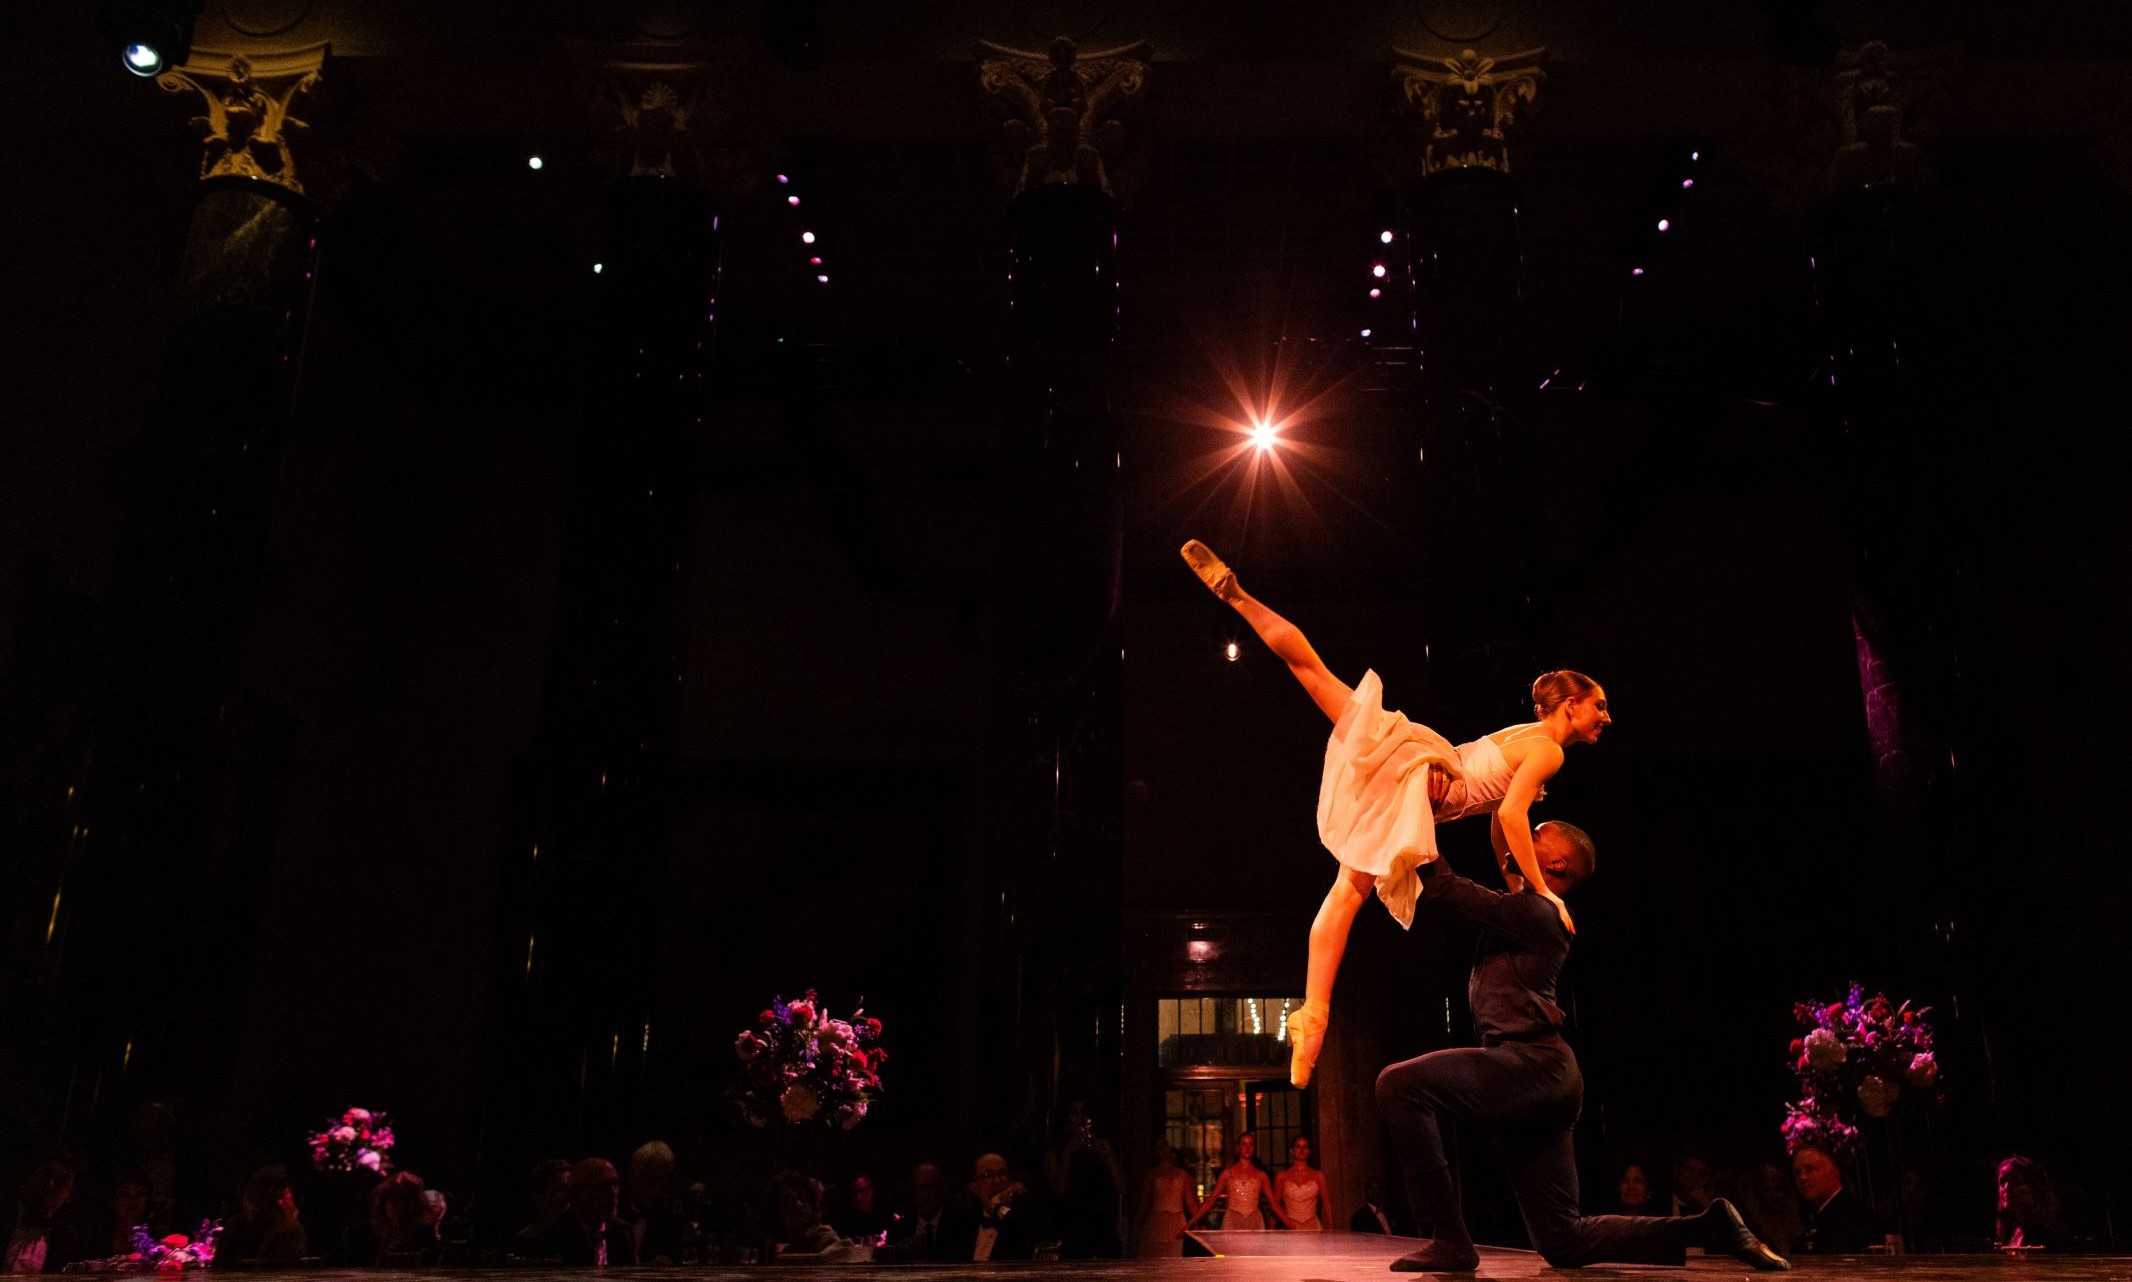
(1213, 1194)
(1513, 819)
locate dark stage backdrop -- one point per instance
(1675, 499)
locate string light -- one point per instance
(533, 162)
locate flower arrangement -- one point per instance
(803, 1066)
(360, 1141)
(1857, 1059)
(151, 1254)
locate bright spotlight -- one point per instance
(143, 59)
(1665, 224)
(1378, 271)
(1232, 652)
(1365, 333)
(534, 162)
(806, 238)
(1263, 436)
(793, 201)
(1384, 237)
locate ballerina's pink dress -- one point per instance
(1373, 799)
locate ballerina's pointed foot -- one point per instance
(1219, 578)
(1306, 1037)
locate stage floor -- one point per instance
(1336, 1257)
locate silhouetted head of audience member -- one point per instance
(47, 1189)
(549, 1190)
(1632, 1189)
(129, 1200)
(397, 1211)
(862, 1194)
(595, 1192)
(651, 1169)
(929, 1191)
(2028, 1201)
(795, 1205)
(1694, 1183)
(266, 1190)
(1816, 1174)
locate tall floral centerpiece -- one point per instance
(800, 1065)
(360, 1141)
(1860, 1064)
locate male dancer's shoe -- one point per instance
(1726, 1231)
(1439, 1257)
(1219, 578)
(1306, 1038)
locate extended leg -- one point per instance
(1328, 944)
(1285, 639)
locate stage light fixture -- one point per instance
(1635, 271)
(1385, 237)
(1686, 183)
(806, 238)
(1365, 333)
(534, 162)
(782, 179)
(823, 279)
(792, 201)
(1232, 652)
(1376, 293)
(151, 36)
(596, 268)
(1263, 436)
(1378, 271)
(1694, 156)
(1665, 224)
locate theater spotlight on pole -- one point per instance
(151, 36)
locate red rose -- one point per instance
(1798, 1046)
(873, 1027)
(1835, 1012)
(175, 1240)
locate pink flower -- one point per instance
(1924, 1068)
(854, 1114)
(356, 1117)
(369, 1159)
(802, 1013)
(342, 1135)
(747, 1046)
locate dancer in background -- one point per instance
(1374, 808)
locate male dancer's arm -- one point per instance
(1519, 915)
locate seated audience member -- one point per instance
(797, 1230)
(1005, 1226)
(1770, 1204)
(1373, 1216)
(1632, 1191)
(2028, 1214)
(591, 1233)
(655, 1222)
(858, 1213)
(1836, 1221)
(1694, 1184)
(44, 1195)
(549, 1191)
(391, 1235)
(919, 1233)
(266, 1226)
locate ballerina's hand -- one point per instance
(1561, 908)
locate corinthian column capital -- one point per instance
(1064, 108)
(1470, 106)
(251, 102)
(661, 106)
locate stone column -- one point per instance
(571, 1038)
(173, 794)
(1463, 265)
(1053, 825)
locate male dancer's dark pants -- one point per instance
(1524, 1096)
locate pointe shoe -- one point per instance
(1219, 578)
(1306, 1037)
(1727, 1232)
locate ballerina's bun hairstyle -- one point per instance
(1553, 689)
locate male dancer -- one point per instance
(1522, 1089)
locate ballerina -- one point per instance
(1375, 812)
